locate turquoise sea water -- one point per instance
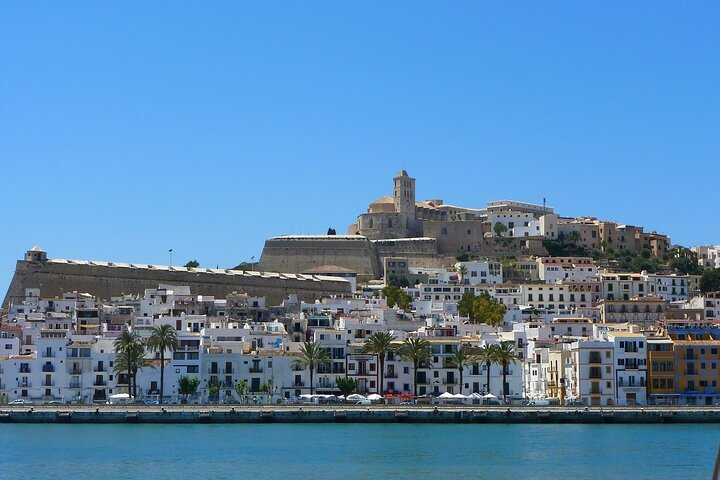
(357, 451)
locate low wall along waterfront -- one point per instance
(353, 413)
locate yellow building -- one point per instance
(697, 370)
(661, 372)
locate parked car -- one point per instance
(574, 403)
(20, 401)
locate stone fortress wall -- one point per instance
(106, 279)
(300, 253)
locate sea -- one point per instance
(357, 451)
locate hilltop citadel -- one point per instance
(559, 294)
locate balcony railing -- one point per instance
(299, 384)
(100, 369)
(391, 375)
(75, 385)
(256, 370)
(22, 384)
(25, 369)
(100, 383)
(76, 371)
(48, 368)
(48, 355)
(47, 383)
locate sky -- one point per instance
(131, 128)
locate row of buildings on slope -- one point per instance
(62, 349)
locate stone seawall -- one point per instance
(105, 280)
(354, 414)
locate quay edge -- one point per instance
(355, 414)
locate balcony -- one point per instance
(298, 384)
(256, 370)
(48, 368)
(76, 371)
(24, 384)
(48, 355)
(25, 369)
(213, 371)
(100, 369)
(100, 383)
(391, 375)
(595, 391)
(75, 385)
(48, 383)
(228, 371)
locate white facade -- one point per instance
(554, 269)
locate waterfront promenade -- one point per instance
(309, 413)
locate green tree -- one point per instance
(461, 359)
(347, 385)
(462, 270)
(331, 231)
(188, 386)
(417, 351)
(487, 310)
(466, 305)
(710, 281)
(163, 338)
(463, 257)
(131, 361)
(499, 229)
(241, 388)
(214, 390)
(396, 296)
(192, 264)
(399, 281)
(311, 356)
(506, 355)
(380, 344)
(123, 350)
(487, 354)
(573, 237)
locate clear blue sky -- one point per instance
(128, 128)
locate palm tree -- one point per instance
(487, 355)
(462, 270)
(505, 355)
(312, 355)
(462, 358)
(123, 349)
(162, 338)
(573, 237)
(416, 350)
(380, 343)
(139, 361)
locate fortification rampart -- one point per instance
(300, 253)
(105, 280)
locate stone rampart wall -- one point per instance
(106, 281)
